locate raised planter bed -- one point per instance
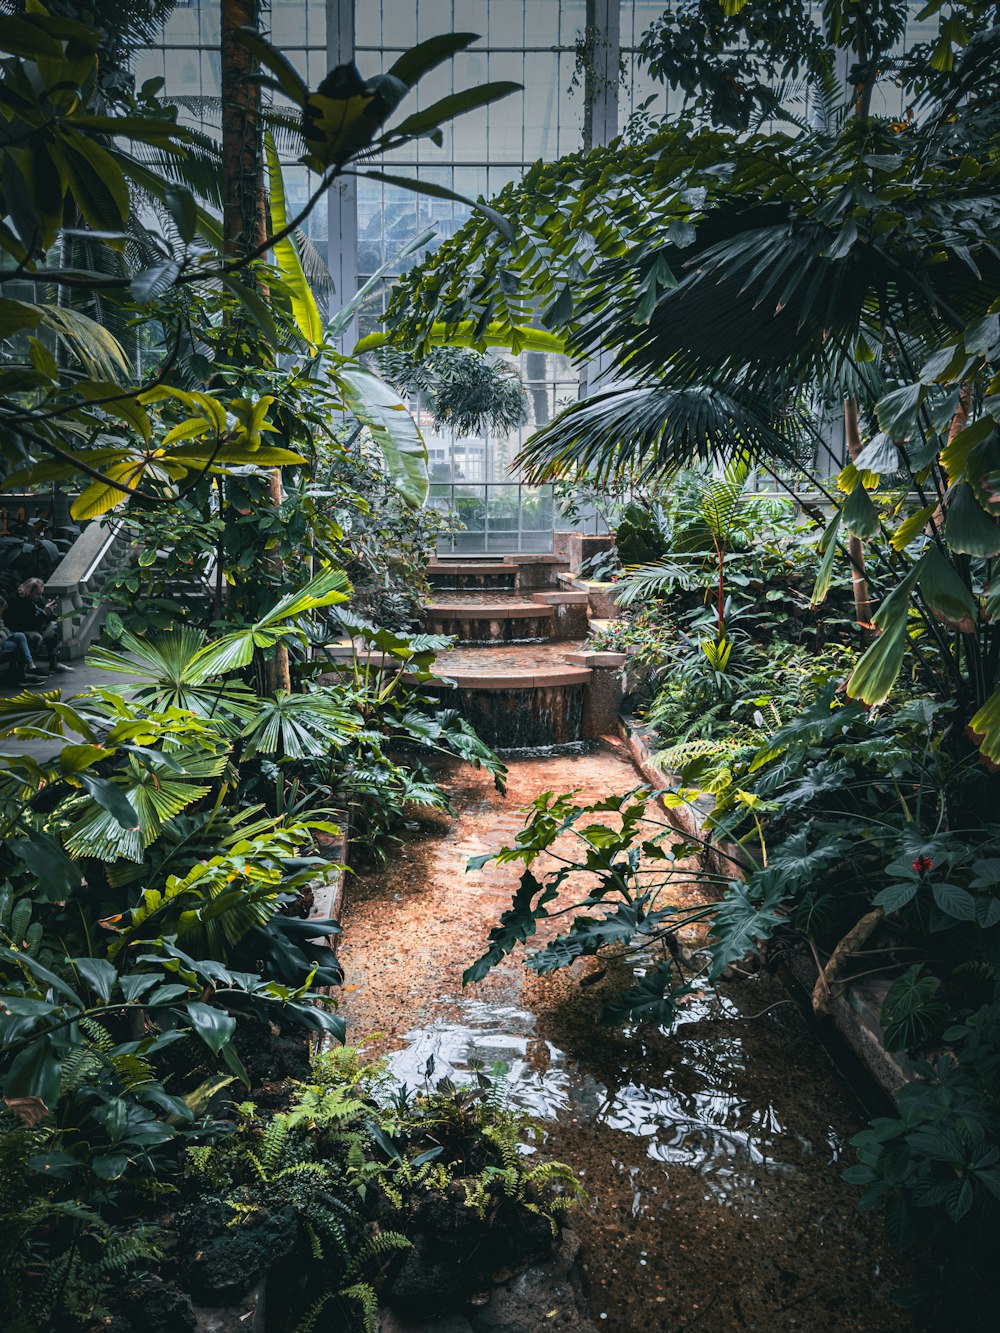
(601, 597)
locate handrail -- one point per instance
(88, 562)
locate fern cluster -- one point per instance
(353, 1156)
(58, 1254)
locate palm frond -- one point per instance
(640, 430)
(96, 349)
(300, 726)
(645, 583)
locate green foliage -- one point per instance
(353, 1148)
(630, 867)
(65, 163)
(464, 390)
(912, 1011)
(933, 1165)
(638, 539)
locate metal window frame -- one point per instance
(522, 541)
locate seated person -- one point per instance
(14, 651)
(28, 614)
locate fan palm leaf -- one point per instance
(300, 726)
(169, 675)
(643, 430)
(235, 651)
(157, 792)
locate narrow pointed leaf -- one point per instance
(305, 311)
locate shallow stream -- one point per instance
(710, 1156)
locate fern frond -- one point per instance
(315, 1244)
(126, 1250)
(364, 1295)
(504, 1139)
(99, 1035)
(311, 1316)
(273, 1144)
(375, 1248)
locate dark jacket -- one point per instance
(27, 616)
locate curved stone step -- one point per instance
(510, 668)
(489, 607)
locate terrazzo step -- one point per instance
(470, 576)
(470, 567)
(507, 617)
(500, 667)
(526, 573)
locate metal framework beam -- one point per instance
(342, 198)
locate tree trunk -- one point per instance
(242, 155)
(855, 551)
(961, 418)
(243, 212)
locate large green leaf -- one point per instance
(155, 791)
(986, 725)
(236, 650)
(860, 515)
(305, 311)
(419, 60)
(378, 406)
(643, 430)
(968, 528)
(97, 350)
(946, 594)
(42, 714)
(876, 672)
(747, 915)
(911, 527)
(465, 333)
(827, 546)
(447, 108)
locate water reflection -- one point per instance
(701, 1120)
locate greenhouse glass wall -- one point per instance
(545, 45)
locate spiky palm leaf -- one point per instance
(644, 430)
(235, 651)
(170, 676)
(301, 726)
(157, 790)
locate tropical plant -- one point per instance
(352, 1160)
(464, 390)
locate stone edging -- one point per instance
(854, 1010)
(328, 892)
(686, 819)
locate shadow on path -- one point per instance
(81, 680)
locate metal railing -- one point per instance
(495, 516)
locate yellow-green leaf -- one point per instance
(305, 311)
(911, 527)
(986, 725)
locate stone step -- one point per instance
(439, 569)
(510, 668)
(492, 608)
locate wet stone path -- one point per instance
(711, 1157)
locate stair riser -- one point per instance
(446, 581)
(523, 629)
